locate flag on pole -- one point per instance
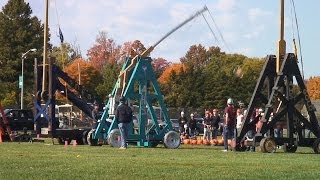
(60, 35)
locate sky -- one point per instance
(248, 27)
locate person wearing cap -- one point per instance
(192, 125)
(215, 118)
(182, 121)
(123, 117)
(96, 115)
(229, 123)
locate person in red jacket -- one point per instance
(229, 123)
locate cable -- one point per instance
(220, 34)
(57, 15)
(292, 20)
(299, 41)
(215, 37)
(55, 5)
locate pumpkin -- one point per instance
(193, 141)
(186, 141)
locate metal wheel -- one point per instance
(84, 137)
(114, 138)
(268, 145)
(289, 148)
(316, 146)
(171, 140)
(92, 142)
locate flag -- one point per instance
(60, 35)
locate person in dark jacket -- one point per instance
(96, 116)
(123, 118)
(215, 119)
(182, 122)
(192, 125)
(254, 119)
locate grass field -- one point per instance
(47, 161)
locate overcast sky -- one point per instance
(249, 27)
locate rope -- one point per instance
(220, 34)
(299, 39)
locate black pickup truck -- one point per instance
(19, 119)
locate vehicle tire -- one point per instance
(171, 140)
(92, 142)
(80, 140)
(287, 148)
(84, 137)
(154, 144)
(114, 138)
(316, 146)
(268, 145)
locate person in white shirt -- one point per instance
(239, 120)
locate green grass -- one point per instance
(47, 161)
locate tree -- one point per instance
(313, 87)
(89, 76)
(104, 51)
(195, 58)
(19, 32)
(176, 67)
(64, 54)
(131, 49)
(159, 65)
(110, 75)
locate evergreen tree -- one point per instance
(19, 32)
(110, 75)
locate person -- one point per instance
(215, 123)
(278, 130)
(207, 128)
(96, 116)
(192, 125)
(229, 123)
(182, 121)
(252, 126)
(239, 117)
(123, 117)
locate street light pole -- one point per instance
(22, 72)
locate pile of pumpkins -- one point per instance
(201, 141)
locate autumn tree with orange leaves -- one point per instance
(89, 76)
(172, 68)
(131, 49)
(313, 87)
(104, 51)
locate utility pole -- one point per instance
(281, 50)
(45, 42)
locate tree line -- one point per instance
(202, 78)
